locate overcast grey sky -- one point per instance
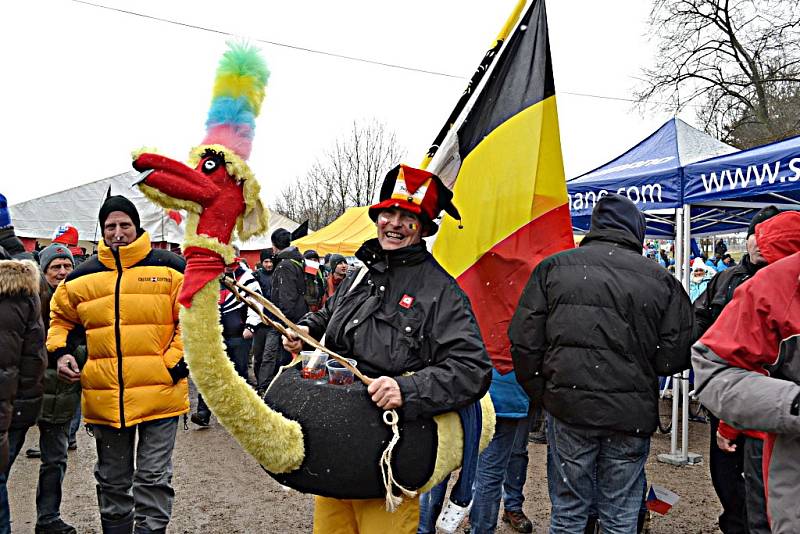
(83, 86)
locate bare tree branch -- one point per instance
(347, 175)
(738, 59)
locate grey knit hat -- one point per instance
(54, 252)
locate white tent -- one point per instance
(38, 218)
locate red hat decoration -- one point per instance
(418, 191)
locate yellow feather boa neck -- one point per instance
(273, 440)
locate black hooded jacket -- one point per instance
(719, 293)
(408, 314)
(289, 283)
(596, 325)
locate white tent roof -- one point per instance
(695, 145)
(79, 206)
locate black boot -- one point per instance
(122, 525)
(202, 417)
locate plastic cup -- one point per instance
(338, 374)
(313, 364)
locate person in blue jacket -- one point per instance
(503, 465)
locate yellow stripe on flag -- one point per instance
(513, 176)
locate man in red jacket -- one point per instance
(747, 364)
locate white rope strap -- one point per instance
(392, 501)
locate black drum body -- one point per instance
(345, 435)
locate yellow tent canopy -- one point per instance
(342, 236)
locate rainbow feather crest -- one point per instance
(239, 90)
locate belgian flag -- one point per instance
(502, 159)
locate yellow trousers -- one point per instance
(364, 516)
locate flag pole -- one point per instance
(477, 76)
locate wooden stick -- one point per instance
(290, 328)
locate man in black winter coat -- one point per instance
(288, 293)
(594, 329)
(263, 276)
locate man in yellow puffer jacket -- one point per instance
(125, 299)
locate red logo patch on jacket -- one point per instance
(406, 301)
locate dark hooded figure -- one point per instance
(594, 329)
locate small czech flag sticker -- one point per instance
(406, 301)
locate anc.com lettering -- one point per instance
(639, 194)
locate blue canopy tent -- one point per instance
(650, 174)
(724, 192)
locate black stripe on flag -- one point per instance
(522, 77)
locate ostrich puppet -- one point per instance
(303, 434)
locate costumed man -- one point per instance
(735, 457)
(748, 366)
(134, 381)
(401, 314)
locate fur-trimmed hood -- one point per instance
(19, 278)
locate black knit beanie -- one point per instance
(762, 215)
(119, 203)
(267, 254)
(281, 238)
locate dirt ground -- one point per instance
(221, 489)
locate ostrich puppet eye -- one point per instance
(211, 162)
(210, 166)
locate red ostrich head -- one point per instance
(217, 187)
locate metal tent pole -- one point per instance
(674, 456)
(687, 457)
(683, 221)
(680, 260)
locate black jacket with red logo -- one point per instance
(408, 314)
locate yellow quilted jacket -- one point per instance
(127, 303)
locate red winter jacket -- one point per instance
(748, 364)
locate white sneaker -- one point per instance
(451, 517)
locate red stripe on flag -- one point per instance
(659, 507)
(495, 282)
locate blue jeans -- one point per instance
(430, 506)
(495, 474)
(594, 469)
(16, 438)
(53, 446)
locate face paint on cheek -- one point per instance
(412, 226)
